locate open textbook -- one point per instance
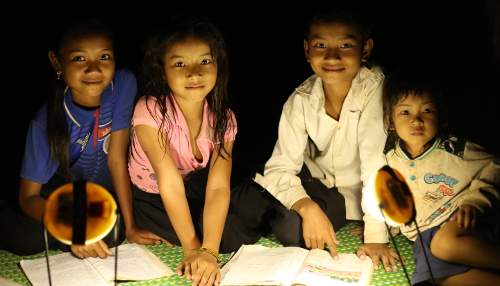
(135, 263)
(290, 266)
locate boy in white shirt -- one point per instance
(331, 136)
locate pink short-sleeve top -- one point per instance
(140, 169)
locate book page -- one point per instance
(260, 265)
(135, 262)
(320, 268)
(65, 269)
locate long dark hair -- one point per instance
(57, 126)
(151, 78)
(406, 82)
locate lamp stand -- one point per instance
(400, 258)
(399, 254)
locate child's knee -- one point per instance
(439, 246)
(290, 238)
(446, 241)
(287, 227)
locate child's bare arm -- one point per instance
(117, 161)
(30, 200)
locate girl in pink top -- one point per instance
(183, 133)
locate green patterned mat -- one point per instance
(173, 256)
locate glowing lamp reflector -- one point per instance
(80, 213)
(388, 197)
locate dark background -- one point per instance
(453, 40)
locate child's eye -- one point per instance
(105, 57)
(346, 45)
(180, 64)
(79, 58)
(206, 62)
(320, 45)
(405, 112)
(427, 110)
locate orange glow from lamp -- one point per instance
(388, 198)
(80, 212)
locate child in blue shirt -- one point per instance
(81, 133)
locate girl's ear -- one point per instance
(55, 62)
(391, 125)
(367, 50)
(389, 122)
(306, 50)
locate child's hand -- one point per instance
(358, 230)
(379, 252)
(95, 249)
(318, 230)
(467, 216)
(202, 268)
(142, 236)
(316, 227)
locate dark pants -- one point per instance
(22, 235)
(287, 224)
(239, 229)
(425, 261)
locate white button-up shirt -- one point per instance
(342, 154)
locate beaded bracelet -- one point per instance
(210, 251)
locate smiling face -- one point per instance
(86, 63)
(335, 52)
(190, 70)
(416, 121)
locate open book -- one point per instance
(135, 263)
(289, 266)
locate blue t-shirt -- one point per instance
(89, 142)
